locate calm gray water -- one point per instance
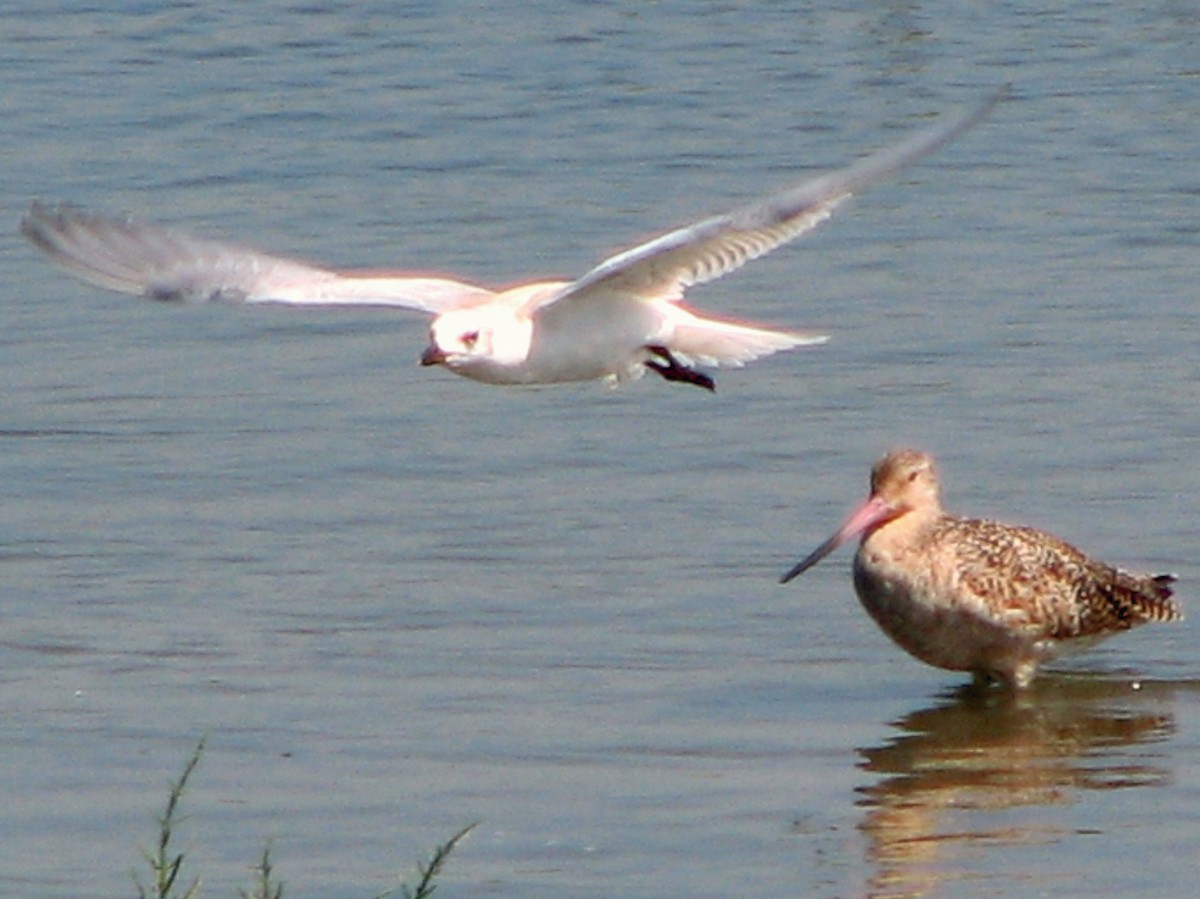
(398, 602)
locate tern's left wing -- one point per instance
(664, 267)
(129, 256)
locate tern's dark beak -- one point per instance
(433, 355)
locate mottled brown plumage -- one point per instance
(973, 595)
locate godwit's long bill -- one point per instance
(974, 595)
(624, 316)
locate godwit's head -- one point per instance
(902, 482)
(906, 480)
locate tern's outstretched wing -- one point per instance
(664, 267)
(127, 256)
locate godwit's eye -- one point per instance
(470, 339)
(913, 475)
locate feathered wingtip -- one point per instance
(111, 252)
(1165, 583)
(1153, 600)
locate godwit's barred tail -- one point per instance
(980, 596)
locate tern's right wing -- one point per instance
(163, 264)
(662, 268)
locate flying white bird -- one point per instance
(622, 317)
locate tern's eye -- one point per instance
(470, 339)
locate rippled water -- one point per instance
(398, 602)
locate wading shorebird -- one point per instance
(980, 596)
(624, 316)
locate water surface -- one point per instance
(398, 602)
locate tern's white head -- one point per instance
(487, 335)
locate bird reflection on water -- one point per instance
(955, 768)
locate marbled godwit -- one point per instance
(619, 319)
(979, 596)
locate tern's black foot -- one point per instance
(673, 370)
